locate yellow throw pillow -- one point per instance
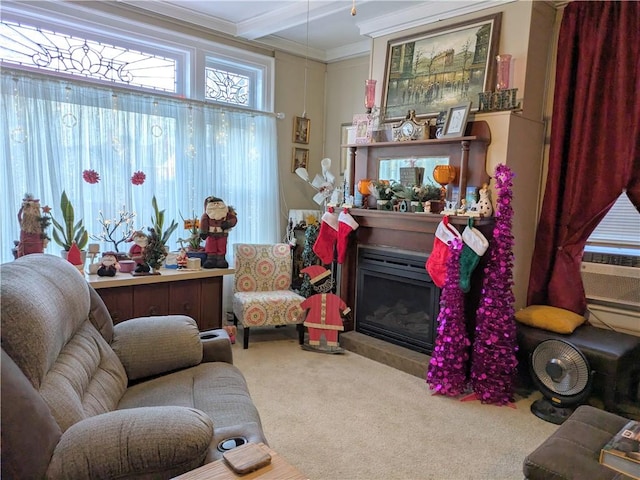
(554, 319)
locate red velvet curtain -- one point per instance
(595, 142)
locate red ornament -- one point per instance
(138, 178)
(91, 176)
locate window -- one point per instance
(120, 107)
(619, 230)
(34, 47)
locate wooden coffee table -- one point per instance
(278, 469)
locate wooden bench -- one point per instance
(613, 356)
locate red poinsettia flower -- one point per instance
(91, 176)
(138, 178)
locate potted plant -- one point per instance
(68, 231)
(384, 191)
(194, 246)
(158, 236)
(420, 194)
(157, 222)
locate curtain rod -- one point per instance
(52, 77)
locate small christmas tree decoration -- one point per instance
(309, 257)
(494, 362)
(446, 374)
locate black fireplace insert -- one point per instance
(396, 300)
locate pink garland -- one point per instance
(448, 365)
(493, 363)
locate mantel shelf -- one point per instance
(433, 141)
(418, 217)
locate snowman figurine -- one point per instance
(485, 208)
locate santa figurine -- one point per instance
(216, 222)
(109, 266)
(137, 251)
(32, 236)
(325, 309)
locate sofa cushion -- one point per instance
(156, 442)
(39, 319)
(148, 346)
(87, 379)
(29, 432)
(554, 319)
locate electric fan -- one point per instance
(561, 372)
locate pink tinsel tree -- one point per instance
(493, 361)
(448, 365)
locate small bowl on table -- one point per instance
(127, 266)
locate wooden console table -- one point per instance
(196, 293)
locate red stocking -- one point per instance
(346, 225)
(327, 236)
(437, 262)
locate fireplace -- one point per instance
(396, 299)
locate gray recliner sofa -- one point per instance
(149, 397)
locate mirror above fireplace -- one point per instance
(389, 168)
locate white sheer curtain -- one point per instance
(55, 129)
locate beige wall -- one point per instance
(517, 139)
(290, 100)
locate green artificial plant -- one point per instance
(68, 231)
(158, 223)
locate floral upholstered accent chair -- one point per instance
(262, 295)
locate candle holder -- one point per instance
(503, 71)
(369, 94)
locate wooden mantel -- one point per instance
(414, 232)
(468, 154)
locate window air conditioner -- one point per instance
(612, 285)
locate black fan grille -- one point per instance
(559, 355)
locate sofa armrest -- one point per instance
(216, 346)
(150, 346)
(147, 442)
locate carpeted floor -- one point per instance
(346, 417)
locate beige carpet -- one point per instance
(346, 417)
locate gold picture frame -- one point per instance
(300, 159)
(435, 70)
(301, 130)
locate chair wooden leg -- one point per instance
(245, 335)
(300, 327)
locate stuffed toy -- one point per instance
(232, 331)
(137, 251)
(216, 222)
(32, 237)
(109, 266)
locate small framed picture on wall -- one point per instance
(300, 158)
(301, 130)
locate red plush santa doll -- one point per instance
(325, 309)
(216, 222)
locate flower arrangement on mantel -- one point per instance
(385, 189)
(425, 193)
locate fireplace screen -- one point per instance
(396, 300)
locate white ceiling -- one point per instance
(331, 32)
